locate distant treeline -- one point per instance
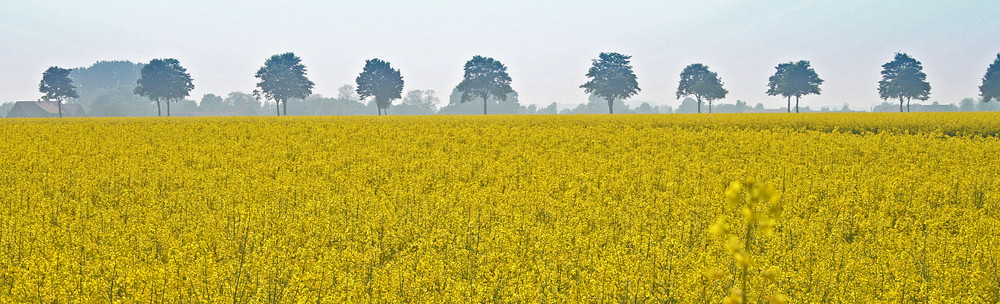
(106, 89)
(109, 88)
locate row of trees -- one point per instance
(611, 78)
(283, 77)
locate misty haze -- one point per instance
(499, 151)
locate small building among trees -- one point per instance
(24, 109)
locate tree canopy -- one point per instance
(698, 81)
(163, 80)
(991, 82)
(794, 79)
(903, 78)
(283, 77)
(56, 85)
(381, 82)
(484, 77)
(611, 78)
(776, 85)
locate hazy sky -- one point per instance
(546, 45)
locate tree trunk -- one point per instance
(284, 108)
(168, 108)
(796, 103)
(277, 106)
(699, 104)
(158, 114)
(484, 103)
(907, 104)
(789, 107)
(900, 104)
(611, 105)
(710, 107)
(59, 101)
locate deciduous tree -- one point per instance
(164, 80)
(698, 81)
(903, 78)
(484, 77)
(381, 82)
(775, 85)
(794, 79)
(57, 86)
(283, 77)
(611, 78)
(991, 82)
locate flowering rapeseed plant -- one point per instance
(875, 208)
(760, 208)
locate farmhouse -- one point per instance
(44, 109)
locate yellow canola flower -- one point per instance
(768, 194)
(748, 215)
(719, 228)
(735, 297)
(777, 299)
(771, 273)
(714, 274)
(775, 209)
(742, 260)
(734, 193)
(867, 208)
(734, 245)
(766, 225)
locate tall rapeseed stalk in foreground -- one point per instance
(760, 210)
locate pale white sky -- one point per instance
(547, 45)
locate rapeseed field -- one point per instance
(780, 208)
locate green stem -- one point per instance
(743, 275)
